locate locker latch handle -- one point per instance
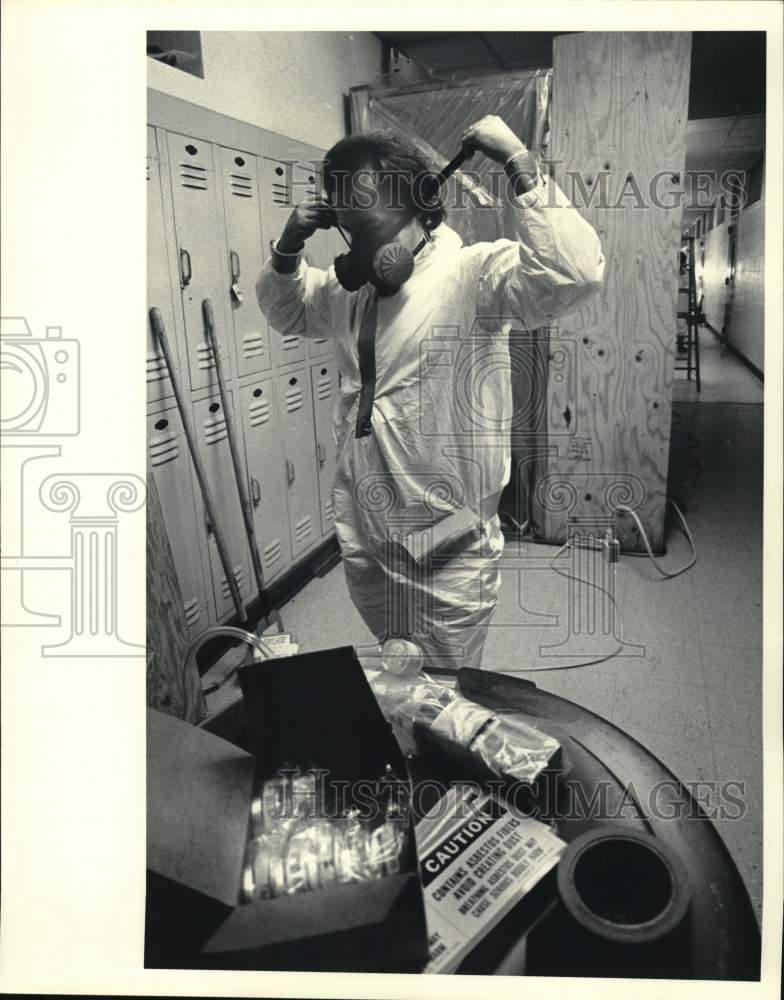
(234, 266)
(322, 453)
(290, 473)
(185, 268)
(255, 491)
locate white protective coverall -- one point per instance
(441, 411)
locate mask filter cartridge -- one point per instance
(393, 264)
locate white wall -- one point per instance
(714, 275)
(291, 82)
(747, 319)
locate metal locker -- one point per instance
(295, 407)
(240, 185)
(266, 465)
(324, 384)
(334, 245)
(170, 463)
(277, 204)
(159, 287)
(213, 442)
(318, 249)
(201, 251)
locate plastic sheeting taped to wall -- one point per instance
(435, 117)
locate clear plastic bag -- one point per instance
(503, 742)
(293, 848)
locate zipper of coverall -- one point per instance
(366, 349)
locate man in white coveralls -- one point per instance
(423, 416)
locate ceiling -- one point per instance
(727, 67)
(721, 145)
(726, 127)
(458, 54)
(724, 143)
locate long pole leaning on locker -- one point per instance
(250, 529)
(160, 335)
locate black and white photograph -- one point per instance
(437, 603)
(460, 419)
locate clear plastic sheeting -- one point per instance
(504, 743)
(434, 118)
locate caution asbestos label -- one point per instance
(477, 860)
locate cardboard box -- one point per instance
(311, 710)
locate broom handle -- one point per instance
(250, 528)
(160, 334)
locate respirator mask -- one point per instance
(375, 254)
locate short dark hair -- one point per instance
(390, 156)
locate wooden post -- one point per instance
(359, 113)
(168, 688)
(617, 146)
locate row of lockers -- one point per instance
(225, 205)
(289, 482)
(211, 213)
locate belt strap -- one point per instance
(366, 348)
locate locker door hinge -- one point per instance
(290, 473)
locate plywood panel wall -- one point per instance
(618, 122)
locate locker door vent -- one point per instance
(156, 367)
(206, 359)
(320, 340)
(192, 611)
(303, 529)
(239, 576)
(328, 513)
(193, 176)
(294, 398)
(324, 387)
(281, 190)
(272, 553)
(259, 410)
(215, 429)
(253, 345)
(241, 185)
(164, 448)
(290, 342)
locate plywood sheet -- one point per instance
(618, 123)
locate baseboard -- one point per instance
(738, 354)
(317, 563)
(272, 599)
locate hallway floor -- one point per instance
(689, 682)
(723, 378)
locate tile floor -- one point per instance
(692, 690)
(724, 379)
